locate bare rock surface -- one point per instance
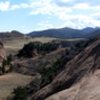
(84, 64)
(87, 89)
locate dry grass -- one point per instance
(10, 81)
(13, 45)
(18, 43)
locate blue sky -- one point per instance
(30, 15)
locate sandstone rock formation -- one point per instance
(87, 89)
(2, 55)
(2, 52)
(84, 64)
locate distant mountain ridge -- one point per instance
(66, 33)
(62, 33)
(12, 34)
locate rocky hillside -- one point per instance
(35, 56)
(10, 35)
(87, 89)
(36, 64)
(2, 52)
(84, 66)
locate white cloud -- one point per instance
(81, 6)
(24, 5)
(47, 7)
(65, 0)
(20, 6)
(72, 16)
(4, 6)
(14, 7)
(44, 25)
(79, 21)
(41, 7)
(7, 6)
(96, 14)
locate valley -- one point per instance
(49, 68)
(49, 49)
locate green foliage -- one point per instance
(41, 48)
(49, 73)
(6, 62)
(20, 93)
(9, 59)
(3, 65)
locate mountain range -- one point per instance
(70, 72)
(62, 33)
(67, 33)
(12, 34)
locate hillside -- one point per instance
(15, 44)
(62, 33)
(36, 64)
(10, 81)
(83, 65)
(65, 33)
(10, 35)
(68, 68)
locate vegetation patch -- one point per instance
(20, 93)
(33, 48)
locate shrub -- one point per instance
(48, 74)
(6, 63)
(20, 93)
(9, 59)
(41, 48)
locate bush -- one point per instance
(9, 59)
(48, 74)
(26, 51)
(20, 93)
(6, 63)
(36, 47)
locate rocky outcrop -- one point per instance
(87, 89)
(2, 55)
(36, 64)
(85, 63)
(2, 52)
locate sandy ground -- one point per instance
(10, 81)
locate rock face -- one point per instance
(36, 64)
(83, 65)
(87, 89)
(2, 52)
(2, 55)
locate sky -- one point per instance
(32, 15)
